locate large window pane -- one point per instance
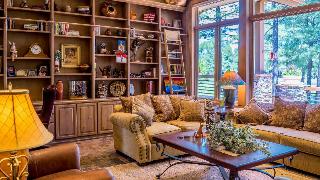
(274, 6)
(220, 13)
(229, 48)
(292, 54)
(206, 64)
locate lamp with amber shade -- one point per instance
(20, 129)
(230, 80)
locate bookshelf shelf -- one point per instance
(28, 31)
(79, 37)
(144, 22)
(105, 55)
(72, 14)
(115, 37)
(30, 77)
(145, 63)
(109, 79)
(72, 74)
(111, 18)
(29, 58)
(28, 9)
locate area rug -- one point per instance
(99, 153)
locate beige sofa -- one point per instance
(308, 144)
(133, 138)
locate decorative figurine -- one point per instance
(199, 133)
(47, 4)
(68, 8)
(103, 48)
(106, 71)
(149, 54)
(119, 32)
(107, 9)
(13, 50)
(43, 70)
(59, 86)
(57, 61)
(135, 45)
(102, 91)
(131, 89)
(133, 15)
(108, 32)
(24, 4)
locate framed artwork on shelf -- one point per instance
(70, 55)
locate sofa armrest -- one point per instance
(54, 159)
(133, 122)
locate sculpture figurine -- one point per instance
(135, 45)
(24, 4)
(106, 71)
(13, 50)
(149, 54)
(199, 133)
(103, 48)
(57, 60)
(108, 9)
(102, 91)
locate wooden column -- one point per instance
(246, 60)
(259, 39)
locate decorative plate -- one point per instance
(117, 88)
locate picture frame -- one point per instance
(71, 55)
(43, 71)
(32, 72)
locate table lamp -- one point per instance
(20, 129)
(230, 80)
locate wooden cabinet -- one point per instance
(66, 121)
(105, 109)
(87, 119)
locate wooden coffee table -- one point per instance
(184, 141)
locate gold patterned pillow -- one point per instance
(163, 108)
(288, 114)
(176, 103)
(142, 109)
(127, 101)
(312, 118)
(192, 111)
(252, 113)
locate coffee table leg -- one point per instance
(232, 176)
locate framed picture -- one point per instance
(70, 55)
(32, 72)
(43, 71)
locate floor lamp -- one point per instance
(20, 129)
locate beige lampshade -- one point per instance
(20, 126)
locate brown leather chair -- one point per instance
(61, 162)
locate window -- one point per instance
(217, 46)
(291, 55)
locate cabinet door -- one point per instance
(105, 109)
(66, 121)
(87, 119)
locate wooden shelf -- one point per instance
(73, 74)
(65, 36)
(144, 78)
(28, 9)
(28, 31)
(109, 79)
(111, 18)
(29, 58)
(146, 63)
(171, 58)
(171, 27)
(72, 14)
(30, 77)
(146, 39)
(174, 44)
(143, 22)
(115, 37)
(105, 55)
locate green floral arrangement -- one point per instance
(243, 140)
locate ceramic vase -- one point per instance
(59, 86)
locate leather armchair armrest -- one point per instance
(133, 122)
(54, 159)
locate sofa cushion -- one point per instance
(307, 142)
(288, 114)
(252, 113)
(143, 110)
(158, 128)
(127, 101)
(192, 111)
(176, 103)
(270, 133)
(312, 118)
(163, 107)
(185, 125)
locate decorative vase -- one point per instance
(107, 9)
(59, 86)
(229, 95)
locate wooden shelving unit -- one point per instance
(88, 40)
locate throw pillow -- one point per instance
(252, 113)
(312, 118)
(142, 109)
(288, 114)
(163, 107)
(127, 101)
(192, 111)
(176, 103)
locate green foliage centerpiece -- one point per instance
(224, 135)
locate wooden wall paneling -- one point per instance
(87, 119)
(66, 121)
(159, 55)
(5, 46)
(52, 51)
(128, 9)
(259, 39)
(194, 45)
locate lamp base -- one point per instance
(230, 98)
(14, 162)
